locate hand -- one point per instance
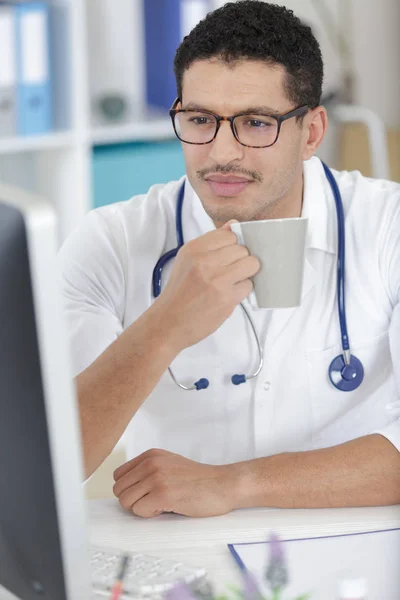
(209, 278)
(158, 481)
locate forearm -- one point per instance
(112, 389)
(362, 472)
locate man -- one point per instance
(287, 438)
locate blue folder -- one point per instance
(33, 90)
(162, 37)
(163, 34)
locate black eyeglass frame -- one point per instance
(296, 112)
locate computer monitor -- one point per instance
(43, 534)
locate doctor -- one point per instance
(248, 113)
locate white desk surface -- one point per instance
(203, 542)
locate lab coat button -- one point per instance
(267, 385)
(393, 408)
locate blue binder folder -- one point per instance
(34, 105)
(166, 23)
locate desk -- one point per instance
(203, 541)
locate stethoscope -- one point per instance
(346, 371)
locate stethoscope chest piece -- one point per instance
(346, 377)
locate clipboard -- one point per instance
(316, 565)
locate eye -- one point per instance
(258, 124)
(202, 120)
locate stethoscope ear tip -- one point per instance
(238, 379)
(202, 384)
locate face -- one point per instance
(238, 182)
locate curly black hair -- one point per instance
(257, 30)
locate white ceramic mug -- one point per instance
(279, 244)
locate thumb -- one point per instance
(227, 225)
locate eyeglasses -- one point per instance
(251, 130)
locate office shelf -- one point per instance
(96, 48)
(146, 129)
(36, 143)
(57, 165)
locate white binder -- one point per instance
(34, 86)
(8, 72)
(192, 11)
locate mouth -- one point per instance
(227, 185)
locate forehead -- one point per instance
(228, 88)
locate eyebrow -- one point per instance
(254, 110)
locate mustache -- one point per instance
(228, 170)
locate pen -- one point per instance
(117, 587)
(251, 590)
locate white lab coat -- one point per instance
(107, 266)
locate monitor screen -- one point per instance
(32, 520)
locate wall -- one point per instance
(376, 46)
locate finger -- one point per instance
(134, 462)
(242, 290)
(134, 493)
(136, 474)
(212, 240)
(241, 269)
(228, 255)
(228, 224)
(128, 466)
(151, 505)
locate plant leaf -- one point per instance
(237, 591)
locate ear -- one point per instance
(315, 126)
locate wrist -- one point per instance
(161, 331)
(250, 483)
(240, 484)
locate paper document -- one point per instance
(316, 565)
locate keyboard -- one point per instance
(145, 575)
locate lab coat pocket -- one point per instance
(340, 416)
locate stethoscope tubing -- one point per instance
(341, 259)
(346, 371)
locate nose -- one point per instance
(225, 148)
